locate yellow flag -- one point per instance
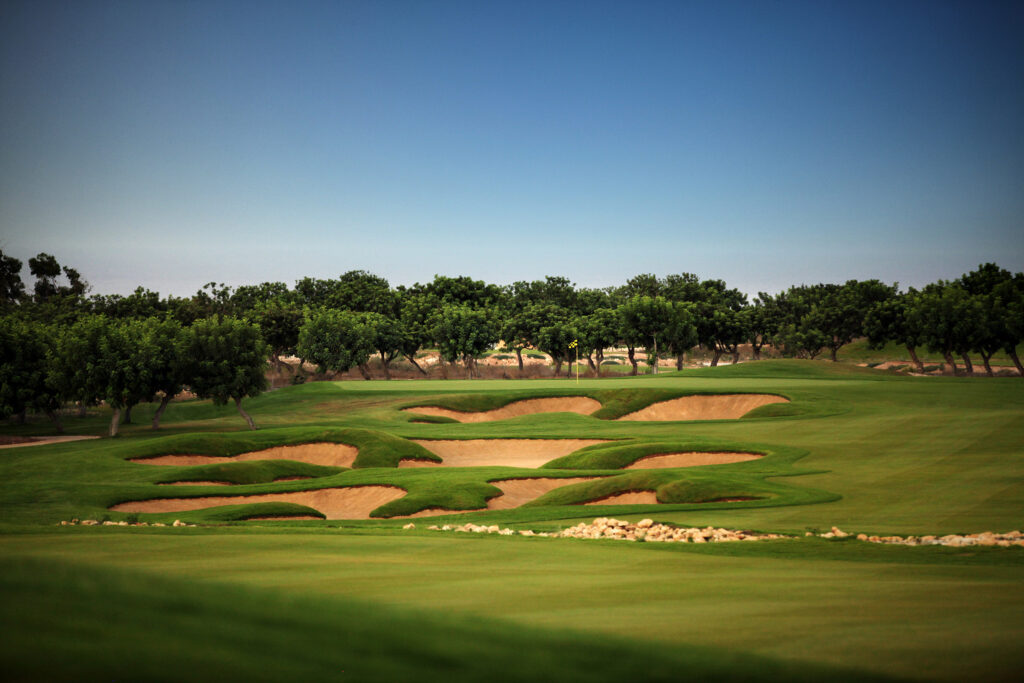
(573, 345)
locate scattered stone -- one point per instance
(410, 525)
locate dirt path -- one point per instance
(43, 440)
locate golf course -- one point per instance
(304, 549)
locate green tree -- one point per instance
(597, 332)
(465, 333)
(555, 339)
(336, 341)
(24, 367)
(947, 317)
(388, 338)
(645, 321)
(98, 359)
(889, 321)
(225, 358)
(681, 333)
(12, 289)
(279, 321)
(161, 342)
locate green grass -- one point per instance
(865, 450)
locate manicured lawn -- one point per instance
(861, 449)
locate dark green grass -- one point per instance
(119, 625)
(924, 613)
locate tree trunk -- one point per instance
(1012, 353)
(655, 357)
(714, 359)
(364, 371)
(756, 348)
(82, 409)
(590, 362)
(519, 358)
(968, 364)
(679, 362)
(19, 417)
(558, 367)
(128, 415)
(632, 358)
(416, 365)
(238, 404)
(913, 356)
(984, 359)
(55, 416)
(160, 410)
(115, 420)
(951, 363)
(384, 360)
(600, 359)
(832, 350)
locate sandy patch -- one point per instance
(627, 498)
(694, 459)
(718, 407)
(353, 502)
(509, 452)
(194, 483)
(564, 404)
(330, 454)
(518, 492)
(436, 512)
(44, 440)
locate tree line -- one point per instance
(60, 344)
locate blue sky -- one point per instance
(766, 143)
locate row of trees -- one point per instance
(125, 362)
(60, 344)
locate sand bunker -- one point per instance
(353, 502)
(694, 459)
(717, 407)
(509, 452)
(565, 404)
(627, 498)
(330, 454)
(521, 491)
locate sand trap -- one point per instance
(353, 502)
(509, 452)
(694, 459)
(565, 404)
(627, 498)
(718, 407)
(436, 512)
(330, 454)
(43, 440)
(521, 491)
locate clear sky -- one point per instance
(767, 143)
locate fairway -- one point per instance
(864, 450)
